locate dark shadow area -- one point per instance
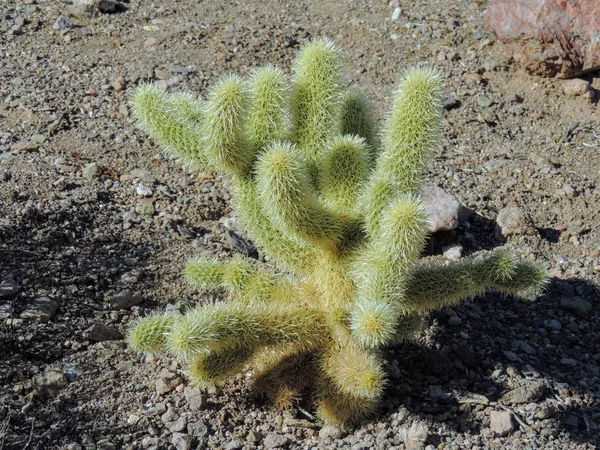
(74, 258)
(505, 349)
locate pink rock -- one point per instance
(549, 37)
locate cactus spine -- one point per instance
(339, 213)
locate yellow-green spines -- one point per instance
(335, 210)
(356, 118)
(173, 122)
(268, 116)
(150, 333)
(315, 97)
(212, 367)
(344, 169)
(204, 273)
(223, 126)
(284, 188)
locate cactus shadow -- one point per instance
(456, 374)
(474, 233)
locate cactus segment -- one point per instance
(315, 98)
(411, 131)
(268, 116)
(356, 118)
(336, 213)
(381, 271)
(149, 334)
(172, 121)
(284, 190)
(223, 127)
(435, 287)
(344, 169)
(206, 370)
(212, 327)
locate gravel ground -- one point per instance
(95, 224)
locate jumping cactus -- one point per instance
(337, 208)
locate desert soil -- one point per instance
(96, 222)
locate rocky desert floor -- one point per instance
(96, 223)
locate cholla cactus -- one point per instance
(338, 212)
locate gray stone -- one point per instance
(197, 429)
(273, 440)
(63, 23)
(254, 436)
(177, 425)
(512, 356)
(8, 289)
(450, 102)
(164, 385)
(91, 171)
(144, 176)
(99, 332)
(125, 299)
(130, 218)
(238, 243)
(330, 431)
(143, 191)
(50, 383)
(443, 209)
(41, 309)
(169, 416)
(553, 324)
(526, 348)
(181, 441)
(577, 305)
(484, 101)
(568, 362)
(234, 445)
(511, 221)
(454, 321)
(529, 392)
(453, 252)
(417, 436)
(501, 423)
(6, 311)
(196, 400)
(155, 410)
(577, 86)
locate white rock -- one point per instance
(501, 423)
(443, 208)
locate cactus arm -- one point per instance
(434, 287)
(268, 117)
(223, 127)
(207, 369)
(355, 371)
(315, 98)
(411, 131)
(149, 334)
(382, 268)
(212, 327)
(172, 121)
(356, 118)
(295, 256)
(285, 192)
(344, 170)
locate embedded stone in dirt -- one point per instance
(100, 332)
(549, 37)
(501, 423)
(527, 393)
(50, 383)
(512, 220)
(577, 305)
(9, 288)
(41, 309)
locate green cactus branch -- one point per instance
(336, 208)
